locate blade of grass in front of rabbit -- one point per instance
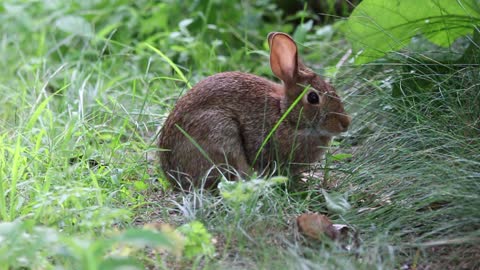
(285, 168)
(290, 157)
(290, 108)
(203, 152)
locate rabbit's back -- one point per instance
(228, 90)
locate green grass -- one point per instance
(82, 101)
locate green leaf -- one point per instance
(336, 202)
(105, 31)
(140, 185)
(198, 240)
(158, 20)
(278, 180)
(301, 32)
(377, 27)
(341, 156)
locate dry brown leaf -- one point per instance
(315, 226)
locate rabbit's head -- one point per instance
(320, 111)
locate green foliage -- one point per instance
(23, 245)
(198, 240)
(377, 27)
(239, 193)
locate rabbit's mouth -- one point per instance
(322, 127)
(318, 127)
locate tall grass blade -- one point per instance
(275, 127)
(171, 63)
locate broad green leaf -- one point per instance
(301, 32)
(377, 27)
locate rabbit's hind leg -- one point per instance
(222, 142)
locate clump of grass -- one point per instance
(415, 173)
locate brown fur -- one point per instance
(230, 114)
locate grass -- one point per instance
(82, 100)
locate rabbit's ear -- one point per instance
(283, 57)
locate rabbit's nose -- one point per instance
(344, 122)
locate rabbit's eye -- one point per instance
(313, 98)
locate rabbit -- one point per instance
(224, 119)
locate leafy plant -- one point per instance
(198, 241)
(23, 244)
(377, 27)
(237, 193)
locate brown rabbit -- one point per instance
(224, 119)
